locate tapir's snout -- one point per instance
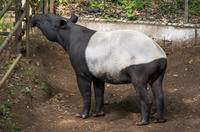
(32, 24)
(33, 21)
(36, 19)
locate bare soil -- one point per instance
(52, 107)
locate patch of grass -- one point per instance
(12, 93)
(1, 41)
(29, 72)
(19, 79)
(36, 81)
(26, 90)
(42, 85)
(5, 117)
(195, 7)
(7, 104)
(96, 3)
(25, 68)
(8, 63)
(4, 25)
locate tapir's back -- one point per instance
(110, 52)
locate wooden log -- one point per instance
(10, 70)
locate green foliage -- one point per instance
(26, 90)
(29, 72)
(42, 85)
(166, 7)
(7, 104)
(110, 18)
(25, 68)
(12, 93)
(96, 3)
(177, 6)
(4, 26)
(1, 41)
(8, 63)
(34, 3)
(60, 1)
(130, 6)
(5, 116)
(172, 8)
(4, 111)
(36, 81)
(195, 7)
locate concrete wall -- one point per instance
(164, 35)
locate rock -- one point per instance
(190, 61)
(175, 75)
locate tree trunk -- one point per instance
(46, 6)
(52, 6)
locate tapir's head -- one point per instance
(51, 24)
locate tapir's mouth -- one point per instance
(34, 21)
(32, 24)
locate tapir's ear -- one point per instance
(73, 18)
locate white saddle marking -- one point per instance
(110, 52)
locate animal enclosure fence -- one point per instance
(21, 15)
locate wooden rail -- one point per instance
(12, 32)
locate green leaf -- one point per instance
(36, 81)
(42, 85)
(26, 90)
(7, 104)
(12, 93)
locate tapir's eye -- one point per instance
(63, 23)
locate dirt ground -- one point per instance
(55, 99)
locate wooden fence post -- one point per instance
(42, 6)
(186, 11)
(46, 6)
(52, 6)
(27, 29)
(18, 35)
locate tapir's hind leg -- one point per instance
(99, 97)
(85, 90)
(157, 90)
(140, 84)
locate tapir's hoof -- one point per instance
(159, 120)
(141, 123)
(83, 116)
(97, 114)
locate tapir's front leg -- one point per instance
(85, 90)
(99, 97)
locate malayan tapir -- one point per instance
(116, 57)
